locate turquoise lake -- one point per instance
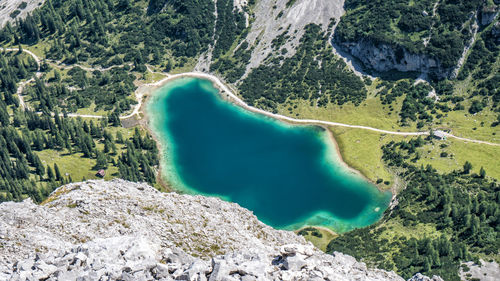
(289, 176)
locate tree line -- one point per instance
(313, 73)
(440, 220)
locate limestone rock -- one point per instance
(384, 58)
(10, 6)
(420, 277)
(119, 230)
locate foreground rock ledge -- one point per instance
(98, 230)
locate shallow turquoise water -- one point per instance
(289, 176)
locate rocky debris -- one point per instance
(118, 230)
(129, 258)
(486, 271)
(7, 7)
(81, 212)
(420, 277)
(273, 18)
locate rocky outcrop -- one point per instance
(484, 271)
(11, 6)
(119, 230)
(421, 277)
(384, 58)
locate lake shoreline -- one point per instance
(152, 117)
(228, 94)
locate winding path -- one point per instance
(230, 94)
(38, 74)
(241, 103)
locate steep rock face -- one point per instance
(128, 231)
(383, 58)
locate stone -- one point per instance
(131, 231)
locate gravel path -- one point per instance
(230, 94)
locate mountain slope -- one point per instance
(129, 231)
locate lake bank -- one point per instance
(229, 94)
(317, 211)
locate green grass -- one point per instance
(479, 155)
(187, 67)
(320, 243)
(370, 112)
(79, 167)
(75, 165)
(152, 77)
(463, 124)
(361, 150)
(92, 111)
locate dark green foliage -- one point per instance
(13, 68)
(476, 107)
(14, 14)
(84, 27)
(23, 174)
(374, 21)
(230, 24)
(302, 76)
(417, 106)
(467, 167)
(464, 209)
(310, 230)
(134, 164)
(290, 3)
(22, 6)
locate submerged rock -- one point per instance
(119, 230)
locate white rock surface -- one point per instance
(119, 230)
(383, 58)
(9, 6)
(486, 271)
(269, 24)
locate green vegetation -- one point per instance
(320, 237)
(448, 155)
(403, 24)
(313, 74)
(112, 32)
(43, 150)
(229, 25)
(39, 152)
(440, 220)
(94, 53)
(360, 149)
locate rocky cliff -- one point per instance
(119, 230)
(384, 58)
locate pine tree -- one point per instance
(102, 161)
(467, 167)
(482, 173)
(50, 173)
(57, 172)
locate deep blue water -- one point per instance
(289, 176)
